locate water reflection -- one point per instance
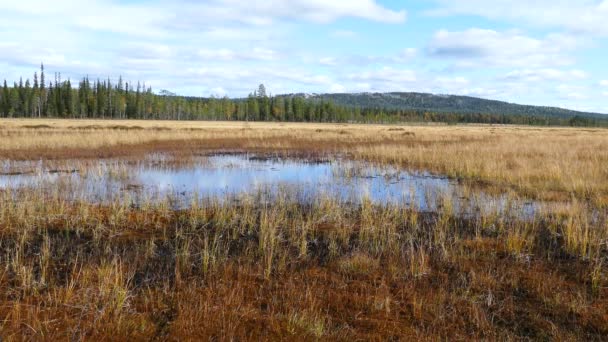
(229, 176)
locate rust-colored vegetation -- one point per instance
(328, 270)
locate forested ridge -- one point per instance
(57, 98)
(448, 103)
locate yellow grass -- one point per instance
(547, 163)
(330, 270)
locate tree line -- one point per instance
(123, 100)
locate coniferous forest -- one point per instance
(53, 97)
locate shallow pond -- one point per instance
(159, 178)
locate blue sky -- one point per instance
(542, 52)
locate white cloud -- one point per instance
(224, 54)
(143, 50)
(96, 15)
(19, 54)
(406, 55)
(160, 40)
(386, 75)
(478, 92)
(261, 12)
(579, 16)
(388, 79)
(329, 61)
(482, 48)
(202, 47)
(403, 56)
(576, 96)
(361, 87)
(344, 34)
(604, 83)
(451, 82)
(457, 85)
(322, 10)
(573, 92)
(337, 88)
(112, 16)
(605, 93)
(545, 74)
(218, 92)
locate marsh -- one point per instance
(251, 231)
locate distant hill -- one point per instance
(445, 103)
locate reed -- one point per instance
(247, 267)
(546, 163)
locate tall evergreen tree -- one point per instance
(67, 98)
(36, 96)
(28, 98)
(43, 92)
(6, 100)
(15, 101)
(123, 100)
(261, 91)
(21, 100)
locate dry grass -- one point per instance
(547, 163)
(220, 271)
(327, 270)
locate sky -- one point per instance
(539, 52)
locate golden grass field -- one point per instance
(539, 162)
(220, 271)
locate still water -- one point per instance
(228, 177)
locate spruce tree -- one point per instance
(36, 96)
(43, 93)
(28, 98)
(6, 100)
(67, 98)
(261, 91)
(21, 109)
(15, 101)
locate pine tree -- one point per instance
(43, 93)
(261, 91)
(67, 98)
(109, 93)
(21, 107)
(15, 101)
(28, 98)
(6, 100)
(36, 96)
(137, 105)
(102, 99)
(58, 92)
(288, 109)
(252, 107)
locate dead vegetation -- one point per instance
(217, 271)
(546, 163)
(328, 270)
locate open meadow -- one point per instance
(109, 230)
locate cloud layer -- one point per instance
(579, 16)
(481, 47)
(538, 52)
